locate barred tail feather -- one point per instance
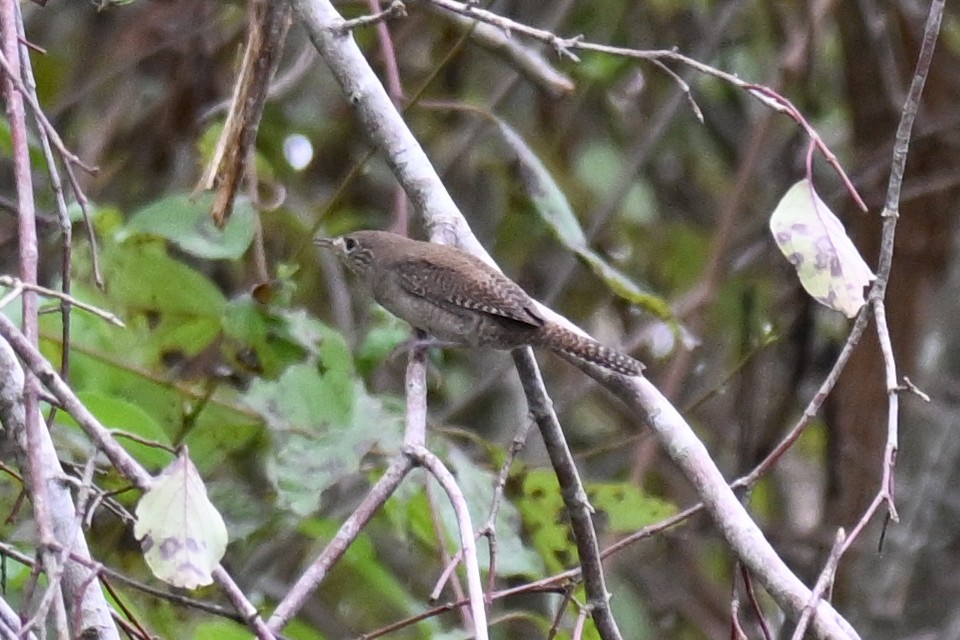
(560, 339)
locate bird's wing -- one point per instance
(483, 290)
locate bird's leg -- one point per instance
(420, 340)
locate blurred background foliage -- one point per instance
(611, 202)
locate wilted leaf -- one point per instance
(183, 535)
(815, 243)
(556, 212)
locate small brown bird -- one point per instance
(457, 297)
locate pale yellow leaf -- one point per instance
(814, 241)
(183, 535)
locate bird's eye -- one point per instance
(349, 243)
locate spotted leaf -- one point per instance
(814, 241)
(182, 533)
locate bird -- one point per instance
(460, 299)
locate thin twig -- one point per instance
(823, 584)
(565, 46)
(16, 555)
(63, 216)
(891, 212)
(396, 10)
(18, 285)
(432, 463)
(489, 529)
(755, 603)
(41, 116)
(523, 60)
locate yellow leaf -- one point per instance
(813, 239)
(183, 535)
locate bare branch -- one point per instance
(18, 285)
(531, 63)
(824, 582)
(93, 612)
(467, 540)
(574, 495)
(348, 532)
(396, 10)
(565, 46)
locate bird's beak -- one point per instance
(324, 242)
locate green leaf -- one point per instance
(477, 483)
(221, 630)
(322, 419)
(117, 413)
(627, 507)
(545, 516)
(555, 210)
(813, 239)
(182, 533)
(185, 220)
(182, 307)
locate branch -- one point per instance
(468, 545)
(89, 604)
(564, 47)
(891, 212)
(349, 530)
(524, 59)
(574, 495)
(824, 583)
(19, 286)
(56, 525)
(10, 626)
(395, 10)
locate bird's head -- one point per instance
(355, 250)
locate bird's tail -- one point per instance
(560, 339)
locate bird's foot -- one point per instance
(422, 343)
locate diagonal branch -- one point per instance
(891, 212)
(574, 495)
